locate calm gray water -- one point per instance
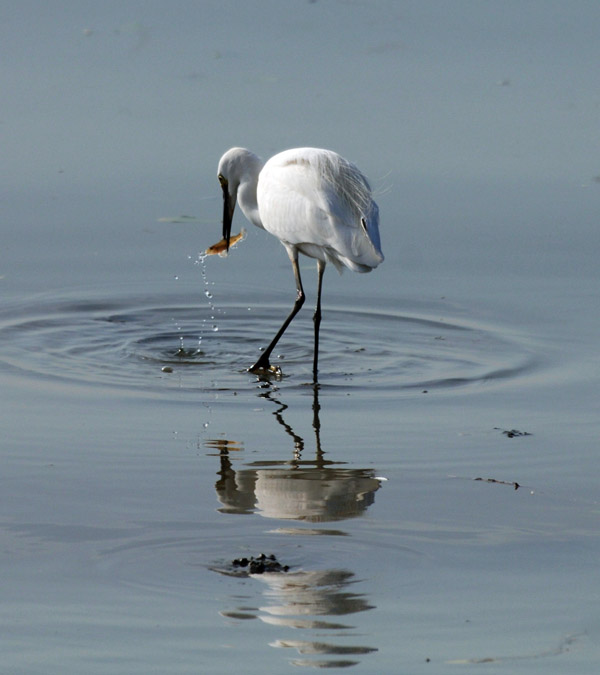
(436, 499)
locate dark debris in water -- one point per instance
(260, 564)
(240, 616)
(513, 433)
(500, 482)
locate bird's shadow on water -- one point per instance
(308, 488)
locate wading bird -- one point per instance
(316, 203)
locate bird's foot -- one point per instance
(263, 368)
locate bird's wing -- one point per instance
(291, 203)
(315, 197)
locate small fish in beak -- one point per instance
(223, 246)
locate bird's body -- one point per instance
(315, 202)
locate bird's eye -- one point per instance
(222, 179)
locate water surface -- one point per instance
(435, 499)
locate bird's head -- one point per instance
(229, 181)
(238, 170)
(229, 173)
(229, 200)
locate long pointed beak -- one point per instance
(228, 208)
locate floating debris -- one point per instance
(244, 567)
(500, 482)
(562, 648)
(261, 564)
(512, 433)
(182, 219)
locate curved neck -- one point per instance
(247, 200)
(247, 169)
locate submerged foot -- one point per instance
(263, 367)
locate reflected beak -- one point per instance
(228, 208)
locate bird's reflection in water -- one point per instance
(302, 599)
(316, 600)
(311, 490)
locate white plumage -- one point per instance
(316, 203)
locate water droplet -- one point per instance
(176, 278)
(215, 328)
(208, 294)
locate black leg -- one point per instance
(317, 318)
(263, 362)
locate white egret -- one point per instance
(316, 203)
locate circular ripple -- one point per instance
(147, 346)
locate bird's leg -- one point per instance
(263, 362)
(317, 318)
